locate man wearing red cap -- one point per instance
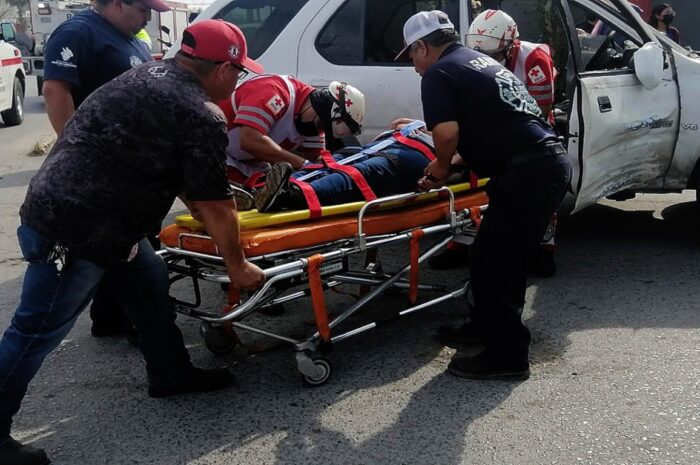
(112, 175)
(83, 53)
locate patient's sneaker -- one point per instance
(15, 453)
(197, 380)
(244, 199)
(276, 185)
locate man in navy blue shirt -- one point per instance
(476, 107)
(90, 49)
(83, 53)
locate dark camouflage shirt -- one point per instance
(128, 151)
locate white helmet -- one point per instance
(348, 111)
(491, 32)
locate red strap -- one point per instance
(255, 180)
(351, 171)
(416, 235)
(317, 299)
(475, 216)
(414, 144)
(473, 180)
(310, 196)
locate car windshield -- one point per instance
(260, 20)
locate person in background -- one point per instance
(588, 24)
(25, 41)
(662, 15)
(85, 52)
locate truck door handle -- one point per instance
(604, 104)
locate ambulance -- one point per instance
(12, 79)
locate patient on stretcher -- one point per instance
(392, 164)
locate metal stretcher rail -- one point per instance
(330, 269)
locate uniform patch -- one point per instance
(536, 75)
(66, 54)
(134, 61)
(276, 104)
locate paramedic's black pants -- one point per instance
(522, 200)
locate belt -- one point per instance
(552, 149)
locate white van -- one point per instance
(622, 135)
(12, 78)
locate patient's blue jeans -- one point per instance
(397, 170)
(52, 299)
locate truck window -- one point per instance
(370, 32)
(260, 20)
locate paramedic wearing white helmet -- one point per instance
(469, 101)
(495, 33)
(276, 118)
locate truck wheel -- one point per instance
(40, 85)
(15, 115)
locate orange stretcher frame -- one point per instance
(309, 233)
(307, 258)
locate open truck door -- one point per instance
(624, 115)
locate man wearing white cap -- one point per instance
(476, 107)
(112, 175)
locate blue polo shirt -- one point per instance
(497, 116)
(87, 51)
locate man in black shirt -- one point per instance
(478, 108)
(135, 144)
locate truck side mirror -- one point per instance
(8, 32)
(649, 65)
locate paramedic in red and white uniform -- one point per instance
(495, 33)
(276, 118)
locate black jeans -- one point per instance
(522, 200)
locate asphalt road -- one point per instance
(615, 377)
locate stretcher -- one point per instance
(304, 257)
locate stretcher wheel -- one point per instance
(217, 339)
(323, 371)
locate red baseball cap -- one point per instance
(157, 5)
(217, 40)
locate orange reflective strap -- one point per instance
(317, 298)
(414, 245)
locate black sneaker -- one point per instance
(15, 453)
(456, 255)
(198, 380)
(490, 365)
(276, 184)
(543, 265)
(461, 335)
(244, 199)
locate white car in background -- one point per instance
(630, 113)
(12, 79)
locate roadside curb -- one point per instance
(43, 146)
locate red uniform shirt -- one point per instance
(533, 65)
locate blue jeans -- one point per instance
(395, 170)
(52, 299)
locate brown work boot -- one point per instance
(271, 196)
